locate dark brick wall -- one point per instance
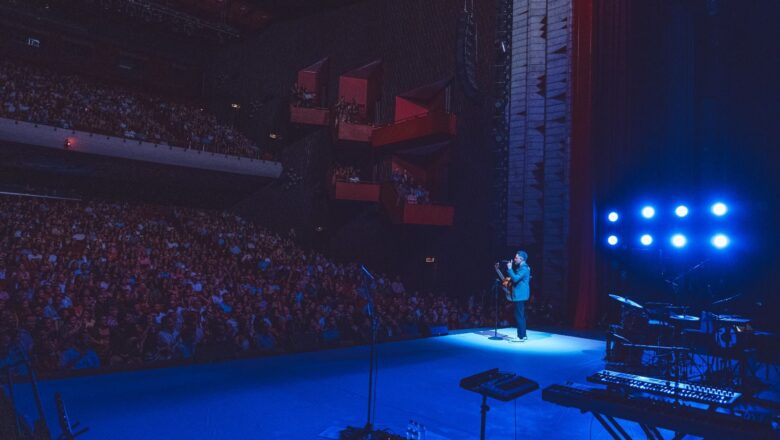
(416, 41)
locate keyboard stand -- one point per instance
(652, 432)
(613, 427)
(483, 409)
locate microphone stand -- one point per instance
(494, 289)
(495, 336)
(674, 281)
(372, 356)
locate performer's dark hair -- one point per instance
(523, 255)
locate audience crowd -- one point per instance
(346, 173)
(301, 97)
(37, 95)
(139, 13)
(347, 111)
(408, 190)
(98, 284)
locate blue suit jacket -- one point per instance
(521, 282)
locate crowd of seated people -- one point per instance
(33, 94)
(139, 13)
(408, 190)
(346, 173)
(347, 111)
(301, 97)
(87, 284)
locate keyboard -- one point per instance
(679, 390)
(499, 385)
(680, 418)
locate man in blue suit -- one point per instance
(520, 273)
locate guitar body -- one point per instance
(506, 284)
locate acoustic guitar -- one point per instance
(506, 284)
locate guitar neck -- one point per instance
(504, 282)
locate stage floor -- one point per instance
(313, 395)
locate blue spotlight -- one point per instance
(646, 239)
(679, 240)
(612, 240)
(648, 212)
(720, 241)
(613, 216)
(681, 211)
(720, 209)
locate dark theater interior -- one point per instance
(389, 219)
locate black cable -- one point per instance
(376, 376)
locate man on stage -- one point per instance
(520, 273)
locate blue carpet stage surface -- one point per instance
(314, 395)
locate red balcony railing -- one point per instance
(401, 211)
(356, 191)
(354, 132)
(422, 129)
(310, 116)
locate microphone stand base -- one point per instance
(353, 433)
